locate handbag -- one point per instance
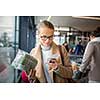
(81, 77)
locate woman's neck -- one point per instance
(45, 47)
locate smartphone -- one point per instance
(52, 60)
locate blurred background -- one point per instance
(20, 32)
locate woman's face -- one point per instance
(46, 36)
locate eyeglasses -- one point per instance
(46, 37)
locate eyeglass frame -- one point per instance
(44, 37)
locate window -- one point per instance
(8, 38)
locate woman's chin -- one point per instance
(46, 45)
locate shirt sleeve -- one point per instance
(87, 56)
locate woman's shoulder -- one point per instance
(34, 49)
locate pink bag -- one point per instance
(24, 77)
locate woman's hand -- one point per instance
(31, 76)
(28, 78)
(74, 66)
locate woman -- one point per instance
(49, 70)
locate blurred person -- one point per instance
(79, 49)
(47, 69)
(71, 47)
(91, 58)
(65, 44)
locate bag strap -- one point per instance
(60, 50)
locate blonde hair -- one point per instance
(45, 23)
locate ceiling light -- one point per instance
(49, 18)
